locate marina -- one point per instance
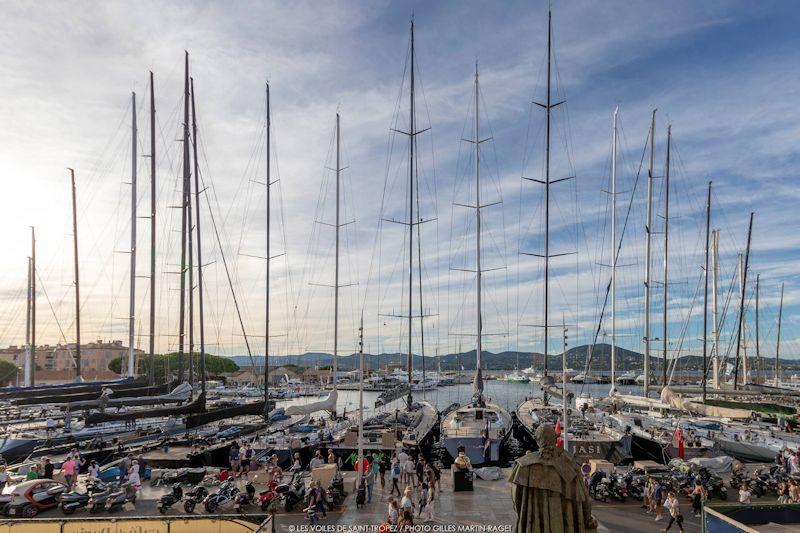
(423, 337)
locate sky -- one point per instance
(723, 74)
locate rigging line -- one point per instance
(684, 328)
(227, 273)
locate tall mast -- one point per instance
(199, 253)
(715, 309)
(33, 306)
(758, 350)
(665, 336)
(547, 199)
(565, 404)
(778, 343)
(613, 255)
(647, 255)
(743, 333)
(184, 195)
(411, 145)
(360, 461)
(151, 372)
(705, 293)
(28, 363)
(478, 386)
(740, 332)
(78, 376)
(266, 321)
(131, 317)
(336, 275)
(190, 256)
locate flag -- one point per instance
(679, 437)
(558, 427)
(487, 444)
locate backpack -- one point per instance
(396, 471)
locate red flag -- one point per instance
(558, 427)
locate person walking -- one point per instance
(420, 469)
(674, 511)
(3, 477)
(317, 460)
(409, 473)
(234, 459)
(783, 492)
(382, 471)
(794, 493)
(297, 466)
(392, 513)
(94, 470)
(407, 502)
(698, 497)
(658, 499)
(395, 478)
(369, 481)
(68, 469)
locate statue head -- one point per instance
(545, 437)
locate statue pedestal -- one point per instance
(462, 480)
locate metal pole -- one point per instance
(360, 462)
(778, 343)
(705, 293)
(565, 412)
(184, 195)
(547, 199)
(33, 306)
(715, 310)
(743, 279)
(199, 253)
(336, 275)
(151, 372)
(479, 325)
(666, 255)
(77, 279)
(410, 358)
(613, 255)
(266, 321)
(27, 363)
(132, 303)
(647, 255)
(758, 350)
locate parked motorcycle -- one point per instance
(292, 493)
(168, 500)
(125, 494)
(193, 497)
(227, 492)
(246, 498)
(268, 498)
(74, 500)
(97, 501)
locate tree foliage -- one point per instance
(169, 363)
(8, 371)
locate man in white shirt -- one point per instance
(317, 460)
(402, 457)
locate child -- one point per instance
(744, 494)
(423, 498)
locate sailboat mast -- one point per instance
(665, 339)
(190, 255)
(411, 145)
(705, 293)
(266, 320)
(613, 255)
(715, 308)
(360, 462)
(26, 380)
(548, 110)
(336, 275)
(647, 255)
(33, 306)
(565, 403)
(151, 366)
(740, 332)
(132, 311)
(478, 310)
(758, 350)
(77, 278)
(201, 322)
(184, 196)
(778, 343)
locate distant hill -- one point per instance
(507, 360)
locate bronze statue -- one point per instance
(548, 490)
